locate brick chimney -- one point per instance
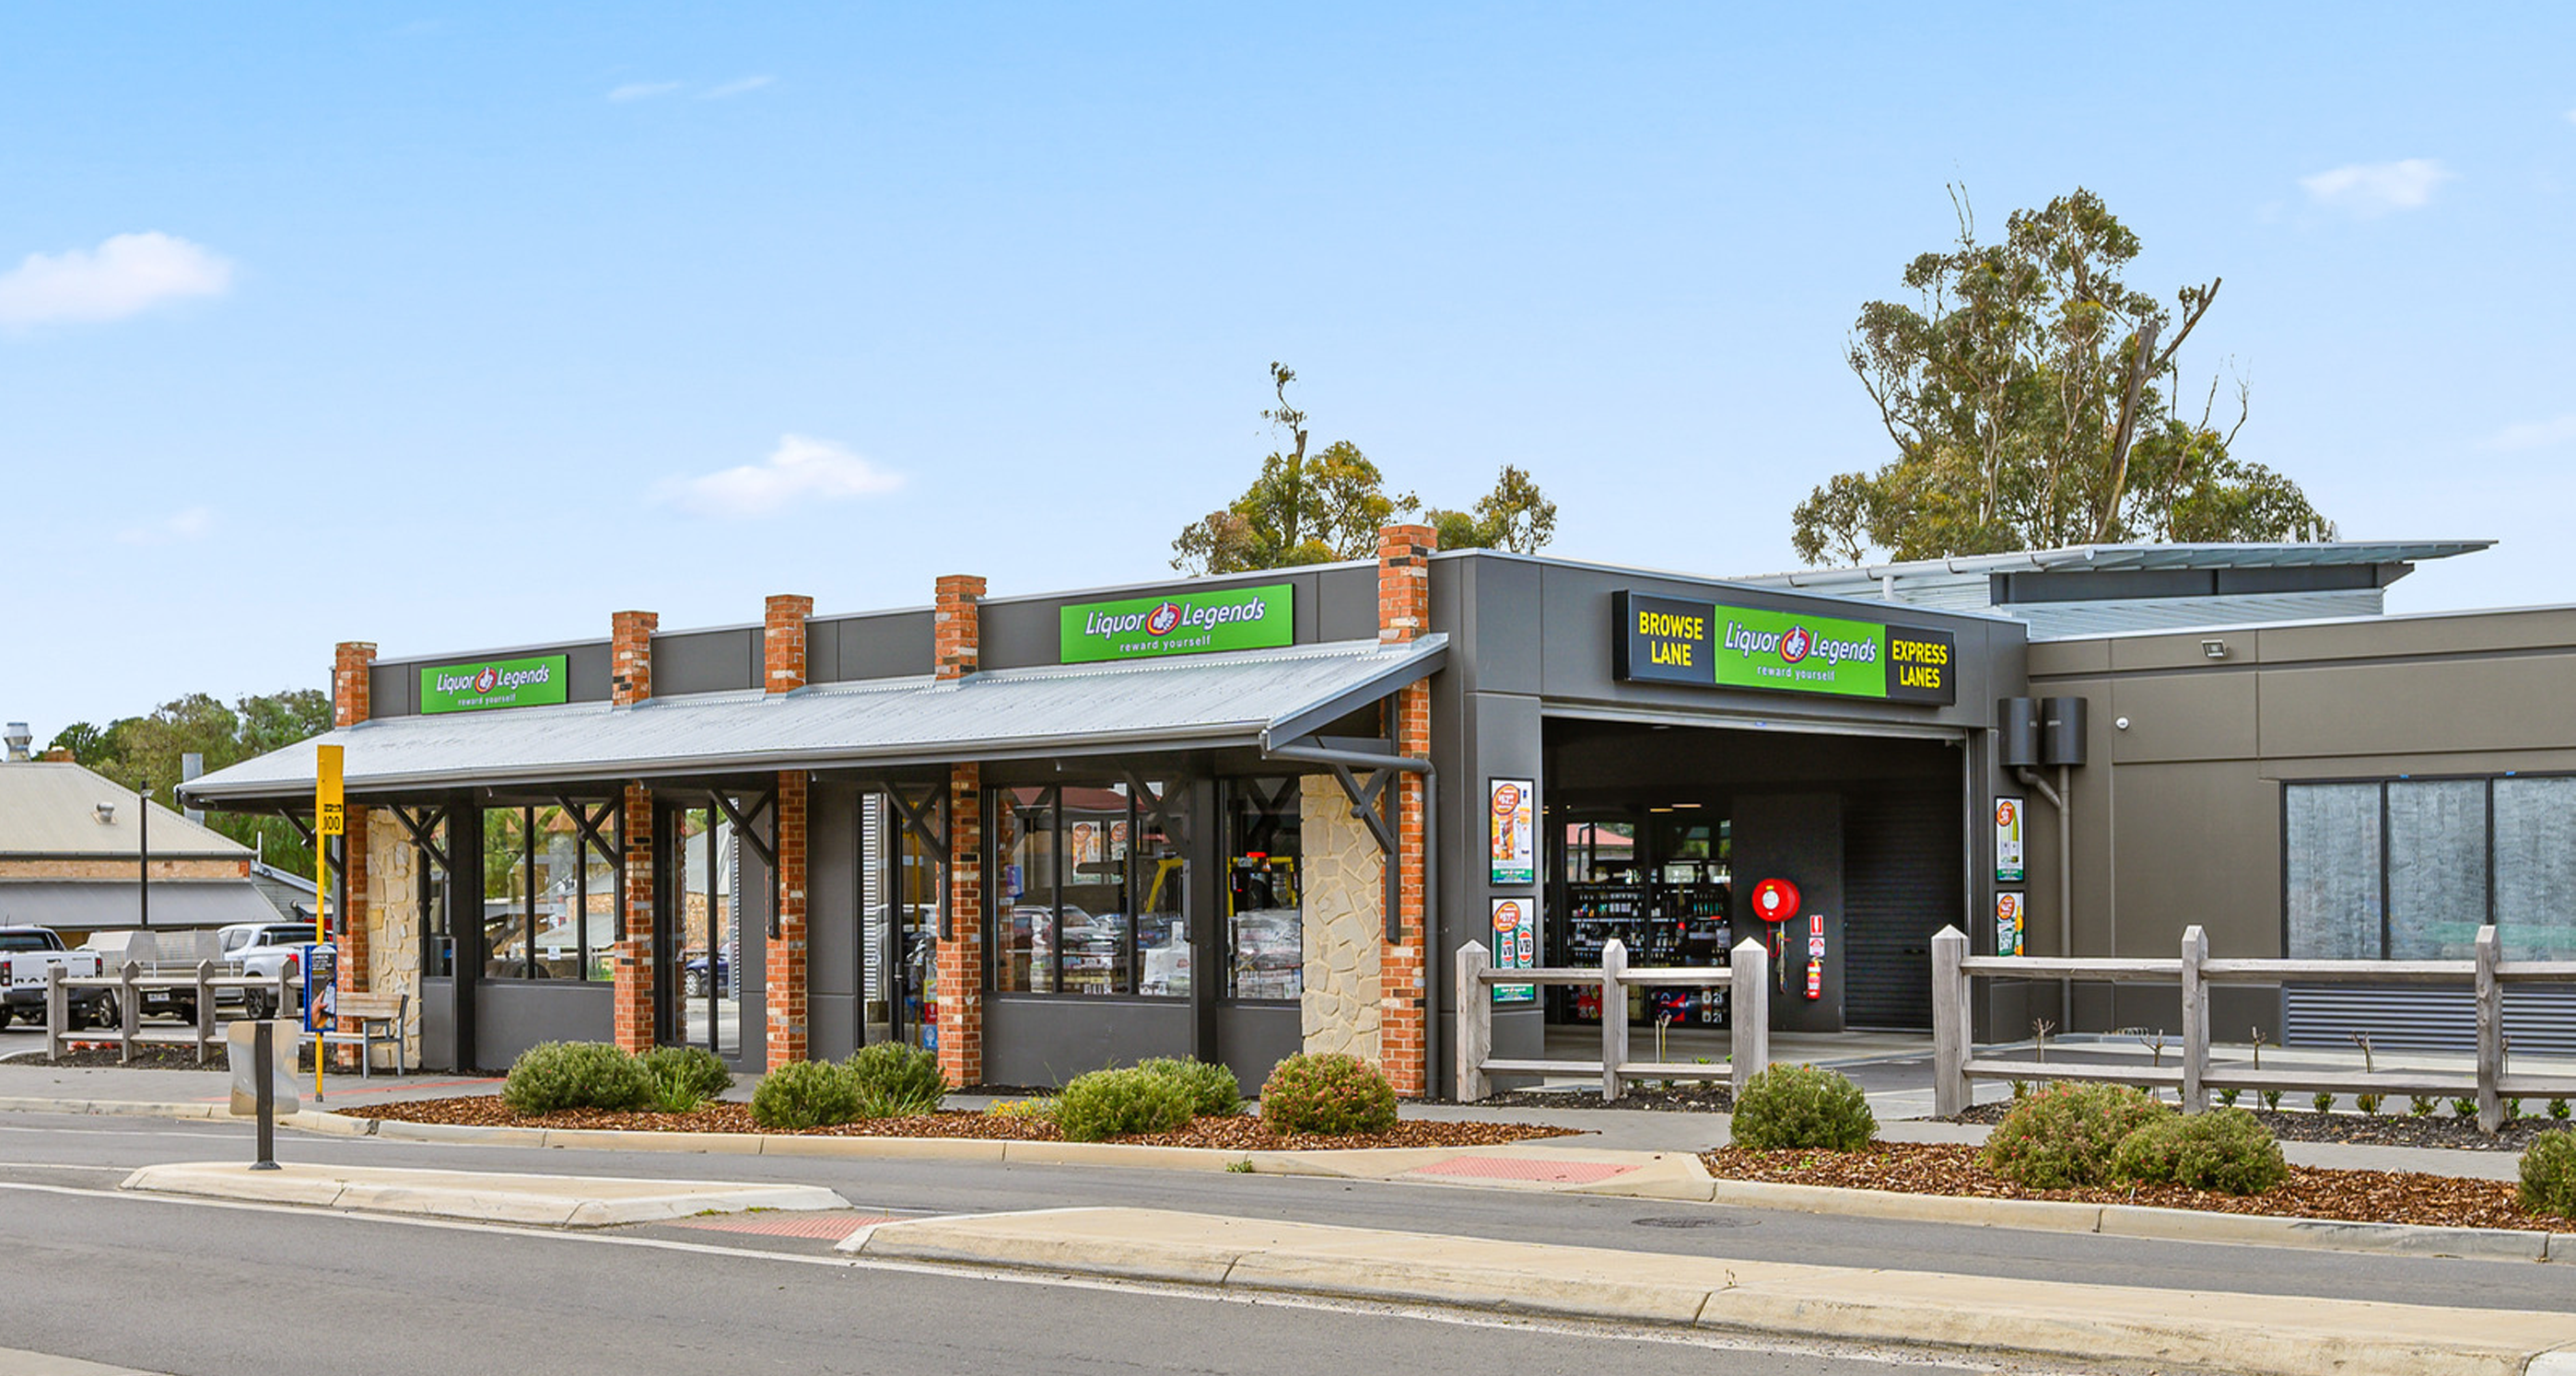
(630, 656)
(957, 626)
(782, 642)
(352, 691)
(1404, 581)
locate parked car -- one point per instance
(271, 950)
(27, 954)
(693, 975)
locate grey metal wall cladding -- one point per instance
(1252, 1038)
(1346, 604)
(883, 645)
(1901, 883)
(512, 1015)
(438, 1024)
(1047, 1041)
(2539, 1020)
(706, 661)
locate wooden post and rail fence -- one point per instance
(129, 982)
(2194, 1074)
(1746, 980)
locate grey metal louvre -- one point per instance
(2539, 1020)
(1201, 702)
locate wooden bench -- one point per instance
(380, 1019)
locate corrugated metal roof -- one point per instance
(1203, 701)
(49, 807)
(1869, 578)
(2066, 620)
(69, 905)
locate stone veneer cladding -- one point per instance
(1344, 895)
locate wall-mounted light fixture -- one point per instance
(2215, 649)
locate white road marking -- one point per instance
(1674, 1337)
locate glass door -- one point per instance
(698, 943)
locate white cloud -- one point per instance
(2539, 434)
(800, 469)
(185, 525)
(2571, 117)
(2369, 189)
(735, 88)
(126, 275)
(643, 90)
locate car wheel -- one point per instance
(104, 1012)
(694, 984)
(185, 1010)
(4, 1018)
(256, 1004)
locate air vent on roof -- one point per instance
(18, 740)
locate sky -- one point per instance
(459, 327)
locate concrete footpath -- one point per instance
(1740, 1294)
(2088, 1323)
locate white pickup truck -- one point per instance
(26, 954)
(271, 949)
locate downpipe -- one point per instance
(2034, 780)
(1433, 1030)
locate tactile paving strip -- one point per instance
(1518, 1168)
(833, 1226)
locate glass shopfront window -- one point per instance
(1265, 915)
(549, 902)
(2409, 869)
(437, 944)
(1089, 893)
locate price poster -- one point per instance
(1515, 946)
(2008, 840)
(1515, 832)
(2008, 924)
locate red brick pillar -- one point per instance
(782, 647)
(630, 667)
(957, 645)
(631, 971)
(961, 953)
(352, 701)
(1404, 613)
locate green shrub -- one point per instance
(2421, 1105)
(2464, 1108)
(805, 1094)
(2225, 1149)
(2368, 1104)
(2322, 1100)
(2229, 1097)
(2512, 1109)
(895, 1080)
(1213, 1089)
(2272, 1100)
(1802, 1106)
(1328, 1094)
(1040, 1110)
(2065, 1138)
(560, 1075)
(1114, 1103)
(2549, 1174)
(690, 1071)
(2558, 1109)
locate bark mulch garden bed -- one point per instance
(1239, 1132)
(2342, 1195)
(151, 1056)
(1704, 1096)
(2386, 1129)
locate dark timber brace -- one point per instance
(594, 840)
(745, 828)
(927, 821)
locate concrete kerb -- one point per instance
(491, 1197)
(2047, 1319)
(1649, 1175)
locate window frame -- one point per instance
(1129, 961)
(2383, 782)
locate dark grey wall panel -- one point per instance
(512, 1015)
(393, 690)
(1346, 603)
(588, 679)
(832, 927)
(1797, 837)
(706, 661)
(1252, 1038)
(438, 1023)
(1901, 883)
(1047, 1041)
(1018, 634)
(886, 645)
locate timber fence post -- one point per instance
(2490, 1031)
(1475, 1023)
(1748, 1012)
(1949, 1023)
(2195, 1019)
(1614, 1018)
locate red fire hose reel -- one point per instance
(1775, 900)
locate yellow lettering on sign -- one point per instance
(1676, 652)
(1919, 676)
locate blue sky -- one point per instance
(454, 327)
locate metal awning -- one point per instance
(1252, 698)
(88, 905)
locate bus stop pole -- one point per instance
(264, 1058)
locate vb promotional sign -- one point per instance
(1515, 946)
(1515, 832)
(1708, 645)
(1179, 624)
(537, 682)
(2008, 861)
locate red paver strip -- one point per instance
(1517, 1168)
(836, 1227)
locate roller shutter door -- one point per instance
(1901, 883)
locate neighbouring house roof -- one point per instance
(2099, 589)
(50, 809)
(1251, 698)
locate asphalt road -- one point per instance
(180, 1287)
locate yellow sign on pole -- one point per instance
(330, 818)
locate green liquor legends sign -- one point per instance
(1186, 623)
(1668, 640)
(493, 683)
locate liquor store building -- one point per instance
(1232, 817)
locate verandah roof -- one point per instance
(1213, 701)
